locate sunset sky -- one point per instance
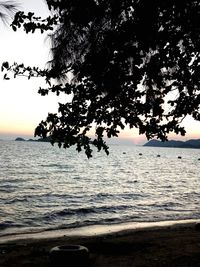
(21, 107)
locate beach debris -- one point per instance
(140, 154)
(179, 157)
(158, 156)
(69, 255)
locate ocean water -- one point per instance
(46, 188)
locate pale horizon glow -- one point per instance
(21, 107)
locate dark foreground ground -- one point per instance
(162, 247)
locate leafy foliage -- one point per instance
(133, 63)
(7, 10)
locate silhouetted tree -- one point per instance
(133, 62)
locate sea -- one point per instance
(45, 188)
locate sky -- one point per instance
(21, 107)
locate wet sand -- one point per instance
(176, 244)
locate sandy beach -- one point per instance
(165, 245)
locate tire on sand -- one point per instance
(69, 255)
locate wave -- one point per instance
(59, 166)
(10, 224)
(85, 211)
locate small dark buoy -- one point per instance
(179, 157)
(158, 156)
(198, 158)
(140, 154)
(124, 152)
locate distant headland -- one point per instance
(192, 143)
(20, 139)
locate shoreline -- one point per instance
(98, 230)
(174, 244)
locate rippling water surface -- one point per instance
(43, 187)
